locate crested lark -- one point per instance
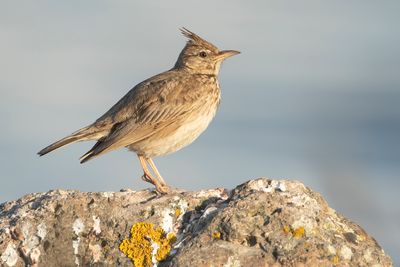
(161, 114)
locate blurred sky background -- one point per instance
(314, 96)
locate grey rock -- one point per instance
(262, 222)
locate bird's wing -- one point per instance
(160, 102)
(153, 89)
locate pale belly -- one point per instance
(163, 144)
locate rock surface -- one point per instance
(262, 222)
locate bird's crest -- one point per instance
(194, 39)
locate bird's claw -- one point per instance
(161, 188)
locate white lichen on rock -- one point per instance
(10, 255)
(41, 231)
(267, 187)
(345, 252)
(96, 225)
(217, 192)
(108, 194)
(155, 248)
(78, 227)
(167, 222)
(75, 246)
(29, 241)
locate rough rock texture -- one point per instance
(259, 223)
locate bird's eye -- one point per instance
(203, 54)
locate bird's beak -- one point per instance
(226, 53)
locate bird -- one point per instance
(161, 114)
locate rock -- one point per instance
(259, 223)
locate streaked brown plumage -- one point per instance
(161, 114)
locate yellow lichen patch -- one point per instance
(335, 259)
(178, 212)
(139, 246)
(216, 235)
(286, 229)
(171, 237)
(298, 232)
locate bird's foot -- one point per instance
(161, 188)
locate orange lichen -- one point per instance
(178, 212)
(139, 246)
(298, 232)
(216, 235)
(286, 229)
(335, 259)
(171, 237)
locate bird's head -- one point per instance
(201, 57)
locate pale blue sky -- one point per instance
(314, 96)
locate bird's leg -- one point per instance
(161, 187)
(153, 166)
(164, 188)
(147, 175)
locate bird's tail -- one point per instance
(87, 133)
